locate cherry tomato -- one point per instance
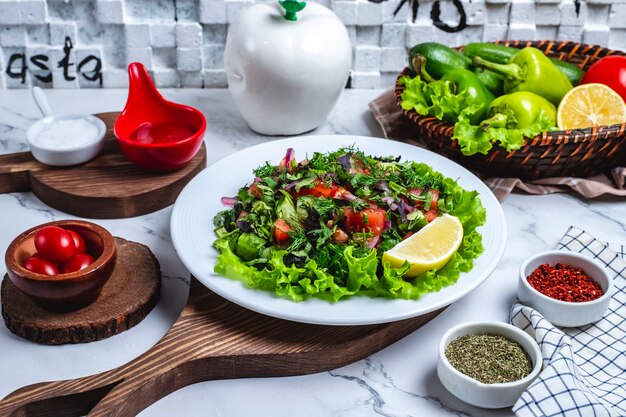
(54, 244)
(40, 266)
(76, 263)
(371, 220)
(79, 242)
(281, 228)
(611, 71)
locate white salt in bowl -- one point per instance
(66, 140)
(475, 392)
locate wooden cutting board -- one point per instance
(107, 187)
(212, 339)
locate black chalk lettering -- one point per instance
(91, 74)
(16, 67)
(435, 15)
(40, 61)
(65, 62)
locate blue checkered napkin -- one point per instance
(584, 368)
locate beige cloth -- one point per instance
(396, 125)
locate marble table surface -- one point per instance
(398, 381)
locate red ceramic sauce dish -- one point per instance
(63, 291)
(154, 133)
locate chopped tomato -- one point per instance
(431, 215)
(408, 235)
(281, 228)
(359, 170)
(255, 190)
(371, 220)
(358, 167)
(318, 190)
(435, 197)
(338, 191)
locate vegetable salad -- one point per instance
(319, 227)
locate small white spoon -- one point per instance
(50, 154)
(42, 102)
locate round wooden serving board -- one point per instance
(212, 339)
(107, 187)
(126, 299)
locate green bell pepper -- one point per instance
(530, 70)
(440, 58)
(512, 119)
(520, 110)
(466, 80)
(501, 54)
(463, 80)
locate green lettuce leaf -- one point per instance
(474, 139)
(437, 99)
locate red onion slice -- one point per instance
(345, 195)
(286, 161)
(389, 201)
(229, 201)
(371, 244)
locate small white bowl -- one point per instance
(564, 313)
(475, 392)
(65, 156)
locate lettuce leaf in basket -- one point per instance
(474, 139)
(439, 100)
(436, 99)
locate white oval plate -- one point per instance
(192, 233)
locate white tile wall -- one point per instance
(182, 42)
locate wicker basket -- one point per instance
(577, 153)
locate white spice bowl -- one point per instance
(474, 392)
(65, 156)
(564, 313)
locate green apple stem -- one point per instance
(291, 8)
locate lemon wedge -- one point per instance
(590, 105)
(430, 248)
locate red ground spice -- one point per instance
(565, 283)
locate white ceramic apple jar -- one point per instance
(286, 64)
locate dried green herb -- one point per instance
(489, 358)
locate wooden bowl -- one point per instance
(563, 153)
(63, 292)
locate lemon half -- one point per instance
(430, 248)
(590, 105)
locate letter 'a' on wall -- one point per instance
(89, 43)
